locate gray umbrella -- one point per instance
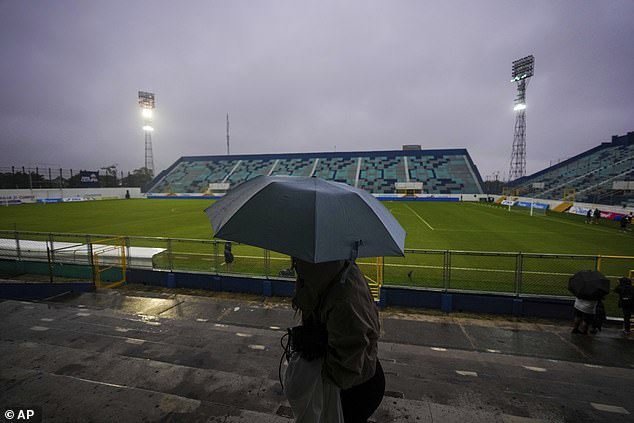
(308, 218)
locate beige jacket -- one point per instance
(351, 318)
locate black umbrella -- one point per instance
(589, 285)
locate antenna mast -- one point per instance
(228, 153)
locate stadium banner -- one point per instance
(50, 200)
(611, 215)
(540, 206)
(437, 199)
(16, 199)
(508, 202)
(89, 178)
(583, 211)
(64, 199)
(74, 199)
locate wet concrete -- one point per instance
(155, 356)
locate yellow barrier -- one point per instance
(619, 269)
(100, 266)
(376, 283)
(562, 207)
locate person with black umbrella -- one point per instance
(588, 286)
(584, 315)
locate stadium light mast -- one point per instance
(147, 104)
(522, 71)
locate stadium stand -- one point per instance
(441, 171)
(592, 176)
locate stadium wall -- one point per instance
(446, 301)
(19, 196)
(530, 306)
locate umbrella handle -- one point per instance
(355, 250)
(353, 256)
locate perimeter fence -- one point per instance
(47, 177)
(513, 273)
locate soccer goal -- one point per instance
(530, 207)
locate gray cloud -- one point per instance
(309, 76)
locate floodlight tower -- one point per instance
(146, 101)
(522, 71)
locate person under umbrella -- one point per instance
(588, 286)
(584, 315)
(325, 226)
(335, 296)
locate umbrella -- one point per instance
(589, 285)
(308, 218)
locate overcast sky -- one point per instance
(300, 76)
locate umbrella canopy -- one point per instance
(589, 285)
(308, 218)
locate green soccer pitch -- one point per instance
(461, 227)
(429, 225)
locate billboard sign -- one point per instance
(89, 178)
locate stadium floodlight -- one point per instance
(523, 68)
(521, 72)
(146, 100)
(147, 104)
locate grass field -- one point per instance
(429, 225)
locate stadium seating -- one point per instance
(590, 175)
(440, 171)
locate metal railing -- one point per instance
(512, 273)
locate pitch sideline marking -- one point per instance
(419, 217)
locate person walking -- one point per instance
(623, 223)
(600, 317)
(626, 301)
(335, 296)
(228, 255)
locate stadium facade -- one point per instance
(601, 175)
(447, 171)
